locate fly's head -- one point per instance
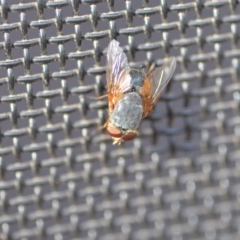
(120, 135)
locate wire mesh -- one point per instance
(61, 177)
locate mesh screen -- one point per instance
(61, 177)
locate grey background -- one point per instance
(61, 178)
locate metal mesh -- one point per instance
(61, 177)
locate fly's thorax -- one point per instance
(128, 112)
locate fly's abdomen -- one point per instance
(137, 78)
(128, 112)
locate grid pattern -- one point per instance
(61, 177)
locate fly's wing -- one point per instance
(155, 83)
(117, 73)
(160, 78)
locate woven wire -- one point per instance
(61, 177)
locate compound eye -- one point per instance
(114, 132)
(129, 136)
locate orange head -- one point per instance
(119, 135)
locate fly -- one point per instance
(132, 93)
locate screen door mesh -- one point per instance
(61, 177)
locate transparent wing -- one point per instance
(154, 84)
(118, 78)
(159, 79)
